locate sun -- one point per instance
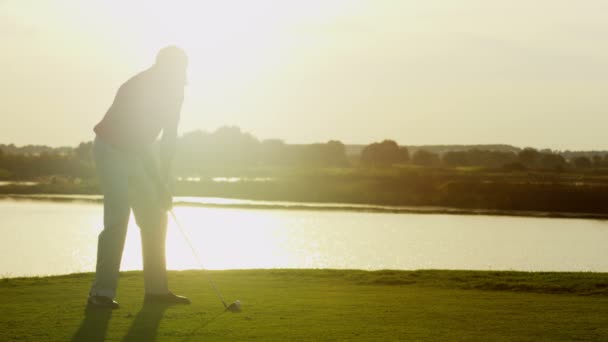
(234, 47)
(224, 25)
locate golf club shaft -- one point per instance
(209, 278)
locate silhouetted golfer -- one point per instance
(145, 105)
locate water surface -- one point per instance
(45, 237)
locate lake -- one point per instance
(43, 237)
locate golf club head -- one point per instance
(234, 307)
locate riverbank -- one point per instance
(318, 305)
(407, 189)
(214, 202)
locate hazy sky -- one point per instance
(528, 73)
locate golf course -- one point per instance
(288, 170)
(313, 305)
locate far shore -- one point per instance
(239, 203)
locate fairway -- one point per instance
(313, 305)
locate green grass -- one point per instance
(313, 305)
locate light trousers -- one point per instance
(126, 185)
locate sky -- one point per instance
(520, 72)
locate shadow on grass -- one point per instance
(146, 322)
(94, 326)
(144, 327)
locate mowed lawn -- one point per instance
(318, 305)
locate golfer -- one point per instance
(133, 176)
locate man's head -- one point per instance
(172, 61)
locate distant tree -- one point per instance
(480, 158)
(425, 158)
(529, 157)
(405, 154)
(334, 153)
(598, 161)
(582, 162)
(385, 153)
(456, 158)
(273, 152)
(84, 151)
(501, 158)
(605, 160)
(369, 154)
(551, 161)
(227, 146)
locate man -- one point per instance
(145, 105)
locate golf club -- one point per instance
(233, 307)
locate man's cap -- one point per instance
(171, 55)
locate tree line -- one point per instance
(231, 147)
(388, 152)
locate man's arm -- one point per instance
(168, 141)
(167, 151)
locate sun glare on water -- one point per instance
(223, 239)
(226, 238)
